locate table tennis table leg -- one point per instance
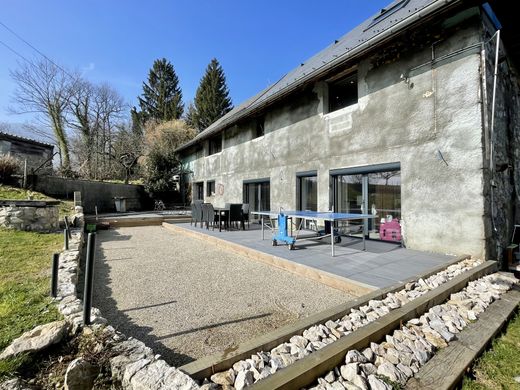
(262, 222)
(332, 241)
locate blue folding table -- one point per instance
(310, 216)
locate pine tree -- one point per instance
(136, 121)
(212, 99)
(162, 97)
(190, 116)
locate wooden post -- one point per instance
(89, 278)
(54, 276)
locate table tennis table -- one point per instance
(312, 216)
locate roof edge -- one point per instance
(414, 19)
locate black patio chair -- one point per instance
(245, 213)
(235, 214)
(205, 218)
(211, 219)
(196, 213)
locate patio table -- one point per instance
(221, 211)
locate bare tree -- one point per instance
(81, 119)
(109, 107)
(44, 88)
(95, 112)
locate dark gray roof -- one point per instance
(399, 14)
(4, 135)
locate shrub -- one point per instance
(161, 163)
(8, 168)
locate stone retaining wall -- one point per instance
(38, 219)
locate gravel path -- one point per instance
(186, 298)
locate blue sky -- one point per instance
(256, 42)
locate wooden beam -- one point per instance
(446, 369)
(305, 371)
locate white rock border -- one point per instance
(265, 363)
(404, 352)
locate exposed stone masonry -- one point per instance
(37, 219)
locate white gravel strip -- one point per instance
(265, 363)
(187, 299)
(397, 359)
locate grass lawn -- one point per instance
(8, 192)
(498, 367)
(25, 259)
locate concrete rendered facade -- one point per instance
(414, 101)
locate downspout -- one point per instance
(491, 144)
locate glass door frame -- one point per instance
(259, 182)
(364, 171)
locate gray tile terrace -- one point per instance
(381, 265)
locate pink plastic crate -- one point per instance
(390, 231)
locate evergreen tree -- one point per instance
(212, 99)
(190, 117)
(162, 97)
(136, 121)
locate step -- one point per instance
(446, 369)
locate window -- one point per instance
(343, 93)
(210, 188)
(307, 191)
(257, 194)
(260, 127)
(198, 191)
(371, 190)
(215, 144)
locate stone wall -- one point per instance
(37, 219)
(501, 153)
(93, 193)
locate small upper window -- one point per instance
(215, 144)
(260, 127)
(343, 93)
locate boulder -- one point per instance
(14, 384)
(80, 375)
(38, 339)
(224, 378)
(244, 379)
(377, 384)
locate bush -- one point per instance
(161, 163)
(8, 168)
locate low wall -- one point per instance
(93, 193)
(30, 216)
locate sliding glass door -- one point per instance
(257, 194)
(308, 193)
(372, 190)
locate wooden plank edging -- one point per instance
(305, 371)
(446, 369)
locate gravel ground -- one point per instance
(186, 298)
